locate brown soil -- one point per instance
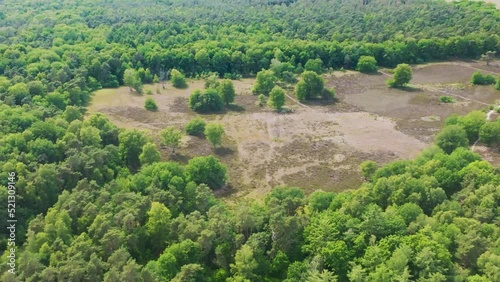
(317, 146)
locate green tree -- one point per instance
(19, 92)
(226, 90)
(150, 105)
(451, 137)
(150, 154)
(214, 132)
(472, 123)
(497, 85)
(196, 126)
(132, 80)
(205, 102)
(178, 79)
(171, 137)
(489, 133)
(131, 143)
(265, 82)
(261, 100)
(315, 65)
(310, 87)
(245, 266)
(276, 98)
(158, 226)
(401, 76)
(207, 170)
(368, 169)
(72, 113)
(479, 78)
(367, 64)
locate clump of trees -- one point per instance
(401, 76)
(478, 78)
(150, 105)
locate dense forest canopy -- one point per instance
(95, 204)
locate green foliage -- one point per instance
(149, 155)
(214, 133)
(451, 138)
(489, 133)
(276, 98)
(367, 64)
(261, 100)
(150, 105)
(265, 82)
(368, 169)
(479, 78)
(446, 99)
(497, 85)
(132, 80)
(206, 102)
(206, 170)
(178, 79)
(171, 137)
(195, 127)
(131, 143)
(402, 74)
(315, 65)
(310, 87)
(226, 90)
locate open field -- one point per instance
(316, 146)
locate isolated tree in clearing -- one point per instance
(226, 91)
(402, 75)
(214, 132)
(276, 98)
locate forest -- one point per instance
(97, 202)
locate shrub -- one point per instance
(497, 85)
(205, 102)
(178, 79)
(195, 127)
(261, 100)
(149, 92)
(150, 105)
(446, 99)
(482, 79)
(452, 137)
(367, 64)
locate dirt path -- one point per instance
(296, 101)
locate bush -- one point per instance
(367, 64)
(150, 105)
(206, 102)
(402, 74)
(328, 94)
(178, 79)
(207, 170)
(288, 77)
(261, 100)
(446, 99)
(497, 85)
(482, 79)
(149, 92)
(195, 127)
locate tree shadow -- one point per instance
(179, 158)
(235, 108)
(223, 151)
(225, 190)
